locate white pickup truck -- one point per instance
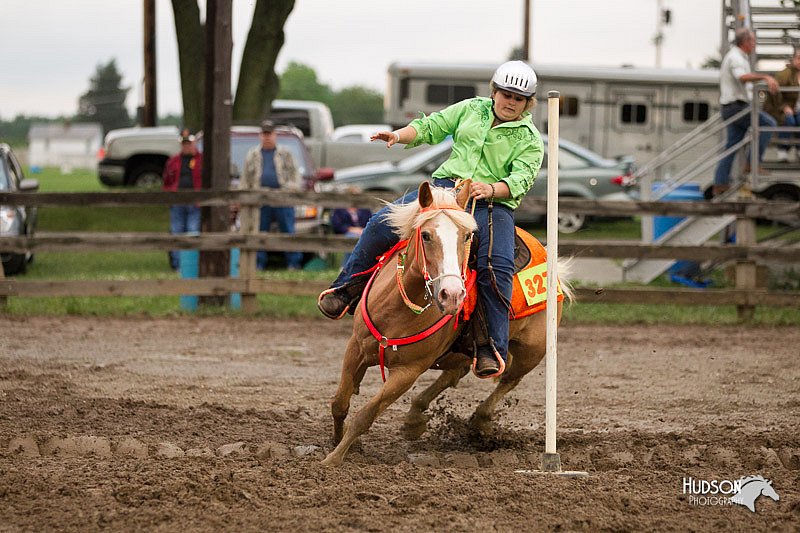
(136, 156)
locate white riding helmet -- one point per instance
(516, 77)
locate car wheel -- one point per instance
(148, 176)
(15, 264)
(570, 222)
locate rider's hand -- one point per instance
(481, 191)
(387, 136)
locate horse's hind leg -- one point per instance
(353, 368)
(416, 422)
(527, 350)
(399, 381)
(522, 362)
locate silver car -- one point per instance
(582, 174)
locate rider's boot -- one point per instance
(488, 363)
(336, 301)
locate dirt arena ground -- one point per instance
(190, 424)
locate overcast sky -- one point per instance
(50, 49)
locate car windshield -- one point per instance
(576, 151)
(435, 154)
(241, 145)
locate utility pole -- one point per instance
(663, 18)
(526, 31)
(217, 111)
(150, 110)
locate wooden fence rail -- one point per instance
(249, 285)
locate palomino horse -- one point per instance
(432, 264)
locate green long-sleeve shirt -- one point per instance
(510, 152)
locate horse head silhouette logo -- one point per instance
(751, 488)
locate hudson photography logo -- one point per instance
(744, 491)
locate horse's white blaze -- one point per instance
(450, 270)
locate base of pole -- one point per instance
(561, 473)
(551, 462)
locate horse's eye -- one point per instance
(426, 236)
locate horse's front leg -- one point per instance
(416, 422)
(400, 380)
(353, 368)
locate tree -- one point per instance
(299, 82)
(711, 62)
(357, 105)
(258, 83)
(104, 102)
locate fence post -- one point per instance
(3, 299)
(745, 270)
(248, 220)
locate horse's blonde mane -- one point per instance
(405, 218)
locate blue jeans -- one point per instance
(735, 133)
(285, 218)
(378, 237)
(182, 219)
(790, 120)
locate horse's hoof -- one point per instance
(332, 460)
(414, 426)
(480, 425)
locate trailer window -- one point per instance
(568, 106)
(695, 111)
(441, 93)
(633, 114)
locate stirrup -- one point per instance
(489, 376)
(329, 315)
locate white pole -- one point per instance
(550, 459)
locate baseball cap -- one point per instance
(186, 136)
(267, 126)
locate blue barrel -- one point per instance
(190, 269)
(688, 192)
(189, 261)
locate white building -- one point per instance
(65, 145)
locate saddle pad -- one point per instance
(530, 287)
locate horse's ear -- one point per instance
(425, 196)
(462, 196)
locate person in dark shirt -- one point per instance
(350, 222)
(183, 171)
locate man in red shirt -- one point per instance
(184, 171)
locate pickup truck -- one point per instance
(136, 156)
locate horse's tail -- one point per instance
(564, 274)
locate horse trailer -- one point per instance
(611, 110)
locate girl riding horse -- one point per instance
(496, 145)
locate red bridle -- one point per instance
(467, 276)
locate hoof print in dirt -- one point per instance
(423, 459)
(460, 460)
(272, 450)
(24, 447)
(130, 447)
(307, 451)
(167, 450)
(237, 448)
(200, 452)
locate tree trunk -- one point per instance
(190, 34)
(258, 83)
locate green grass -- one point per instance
(154, 265)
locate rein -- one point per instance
(468, 277)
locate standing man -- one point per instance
(736, 94)
(270, 166)
(183, 171)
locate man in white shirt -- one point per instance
(735, 88)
